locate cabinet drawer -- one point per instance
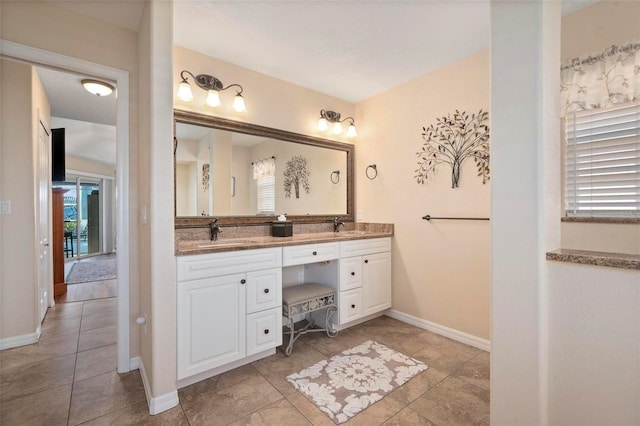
(226, 263)
(361, 247)
(350, 305)
(264, 290)
(309, 253)
(264, 330)
(350, 273)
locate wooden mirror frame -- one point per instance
(197, 119)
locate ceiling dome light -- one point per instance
(98, 88)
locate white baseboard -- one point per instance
(460, 336)
(160, 403)
(22, 340)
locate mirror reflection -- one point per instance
(227, 173)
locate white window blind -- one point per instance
(602, 162)
(266, 194)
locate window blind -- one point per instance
(266, 194)
(602, 162)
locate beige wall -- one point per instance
(440, 268)
(587, 31)
(44, 26)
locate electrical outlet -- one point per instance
(301, 277)
(360, 216)
(5, 207)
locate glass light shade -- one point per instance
(323, 124)
(184, 91)
(337, 128)
(98, 88)
(213, 98)
(351, 131)
(238, 103)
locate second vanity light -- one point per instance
(213, 86)
(327, 117)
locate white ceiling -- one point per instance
(88, 140)
(348, 49)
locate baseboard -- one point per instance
(160, 403)
(22, 340)
(460, 336)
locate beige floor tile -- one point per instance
(52, 327)
(138, 414)
(216, 383)
(418, 385)
(104, 319)
(280, 413)
(276, 368)
(95, 362)
(98, 337)
(48, 408)
(36, 377)
(96, 396)
(64, 310)
(309, 410)
(379, 412)
(454, 402)
(346, 339)
(476, 371)
(408, 417)
(54, 347)
(439, 352)
(99, 306)
(230, 403)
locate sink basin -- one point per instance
(213, 244)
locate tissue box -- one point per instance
(282, 229)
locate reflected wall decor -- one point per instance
(205, 177)
(296, 174)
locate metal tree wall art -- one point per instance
(452, 140)
(296, 174)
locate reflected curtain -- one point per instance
(601, 80)
(264, 168)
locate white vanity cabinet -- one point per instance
(228, 307)
(364, 278)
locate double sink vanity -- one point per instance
(229, 290)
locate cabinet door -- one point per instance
(211, 323)
(264, 330)
(350, 305)
(350, 273)
(264, 290)
(376, 282)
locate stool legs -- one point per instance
(331, 332)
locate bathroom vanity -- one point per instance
(229, 292)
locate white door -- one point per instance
(45, 272)
(376, 271)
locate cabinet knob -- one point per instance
(353, 306)
(266, 331)
(243, 281)
(353, 273)
(266, 290)
(366, 261)
(315, 253)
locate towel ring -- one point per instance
(375, 170)
(335, 179)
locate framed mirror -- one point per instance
(244, 173)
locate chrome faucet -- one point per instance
(215, 230)
(336, 224)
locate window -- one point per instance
(266, 194)
(602, 162)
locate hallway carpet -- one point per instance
(95, 269)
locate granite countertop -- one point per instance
(190, 247)
(598, 258)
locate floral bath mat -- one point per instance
(349, 382)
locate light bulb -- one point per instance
(351, 131)
(238, 103)
(184, 91)
(323, 124)
(337, 128)
(213, 98)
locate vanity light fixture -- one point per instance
(327, 117)
(213, 86)
(97, 87)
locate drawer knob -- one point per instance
(266, 290)
(353, 306)
(266, 331)
(315, 253)
(366, 261)
(243, 281)
(353, 273)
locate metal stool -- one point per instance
(303, 299)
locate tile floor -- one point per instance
(69, 378)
